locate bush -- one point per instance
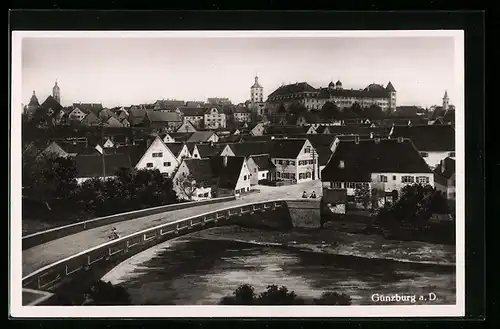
(332, 298)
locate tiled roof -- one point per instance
(299, 87)
(157, 116)
(201, 171)
(250, 148)
(200, 136)
(231, 139)
(91, 165)
(286, 148)
(192, 111)
(367, 157)
(357, 130)
(208, 150)
(428, 137)
(263, 162)
(317, 140)
(175, 148)
(324, 153)
(181, 136)
(229, 172)
(34, 101)
(136, 116)
(87, 107)
(113, 122)
(326, 93)
(164, 104)
(446, 168)
(285, 130)
(407, 111)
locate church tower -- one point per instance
(256, 92)
(56, 93)
(446, 101)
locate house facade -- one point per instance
(158, 156)
(386, 165)
(193, 180)
(214, 119)
(194, 115)
(295, 160)
(444, 178)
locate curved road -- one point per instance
(55, 250)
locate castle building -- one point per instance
(312, 98)
(56, 93)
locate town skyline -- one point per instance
(122, 73)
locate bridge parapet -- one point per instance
(46, 278)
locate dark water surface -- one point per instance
(193, 270)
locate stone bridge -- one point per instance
(53, 263)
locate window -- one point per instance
(292, 163)
(245, 177)
(393, 177)
(301, 176)
(200, 195)
(350, 185)
(149, 165)
(422, 180)
(167, 164)
(293, 176)
(382, 178)
(407, 179)
(424, 154)
(336, 184)
(205, 195)
(307, 149)
(451, 154)
(255, 170)
(157, 155)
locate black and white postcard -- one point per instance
(218, 173)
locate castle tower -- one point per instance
(56, 93)
(256, 92)
(446, 100)
(392, 97)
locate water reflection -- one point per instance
(194, 271)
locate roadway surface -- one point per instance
(55, 250)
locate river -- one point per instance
(203, 267)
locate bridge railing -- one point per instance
(48, 276)
(38, 238)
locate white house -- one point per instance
(168, 139)
(232, 173)
(214, 119)
(158, 156)
(296, 160)
(180, 150)
(77, 114)
(193, 180)
(386, 165)
(258, 130)
(434, 142)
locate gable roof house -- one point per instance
(202, 151)
(136, 116)
(186, 126)
(295, 160)
(91, 120)
(180, 150)
(246, 149)
(265, 168)
(158, 156)
(194, 180)
(434, 142)
(169, 121)
(233, 175)
(383, 164)
(203, 136)
(89, 107)
(444, 178)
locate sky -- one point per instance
(125, 71)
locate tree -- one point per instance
(50, 177)
(362, 196)
(187, 185)
(243, 295)
(105, 293)
(357, 109)
(330, 111)
(374, 112)
(297, 109)
(332, 298)
(278, 296)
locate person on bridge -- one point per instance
(304, 195)
(114, 234)
(313, 195)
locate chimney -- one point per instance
(400, 139)
(224, 161)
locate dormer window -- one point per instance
(341, 164)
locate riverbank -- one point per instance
(337, 243)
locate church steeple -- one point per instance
(446, 100)
(56, 93)
(34, 101)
